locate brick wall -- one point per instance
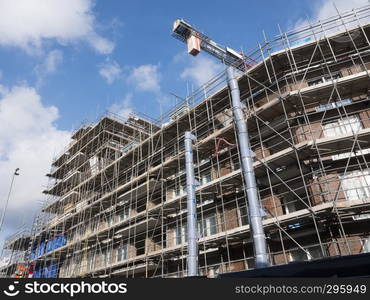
(272, 205)
(350, 70)
(360, 96)
(170, 233)
(237, 266)
(308, 132)
(152, 244)
(279, 259)
(230, 218)
(325, 188)
(340, 247)
(131, 251)
(365, 118)
(225, 168)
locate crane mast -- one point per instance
(197, 41)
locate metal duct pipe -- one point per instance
(246, 155)
(191, 206)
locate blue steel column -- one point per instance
(246, 155)
(191, 206)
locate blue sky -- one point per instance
(140, 31)
(62, 62)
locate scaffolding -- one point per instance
(116, 203)
(15, 254)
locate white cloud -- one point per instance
(124, 107)
(100, 44)
(201, 70)
(50, 64)
(28, 24)
(324, 9)
(146, 78)
(28, 140)
(53, 60)
(110, 70)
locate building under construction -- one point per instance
(117, 203)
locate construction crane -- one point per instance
(197, 41)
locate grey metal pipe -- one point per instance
(246, 155)
(191, 206)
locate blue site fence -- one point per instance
(47, 246)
